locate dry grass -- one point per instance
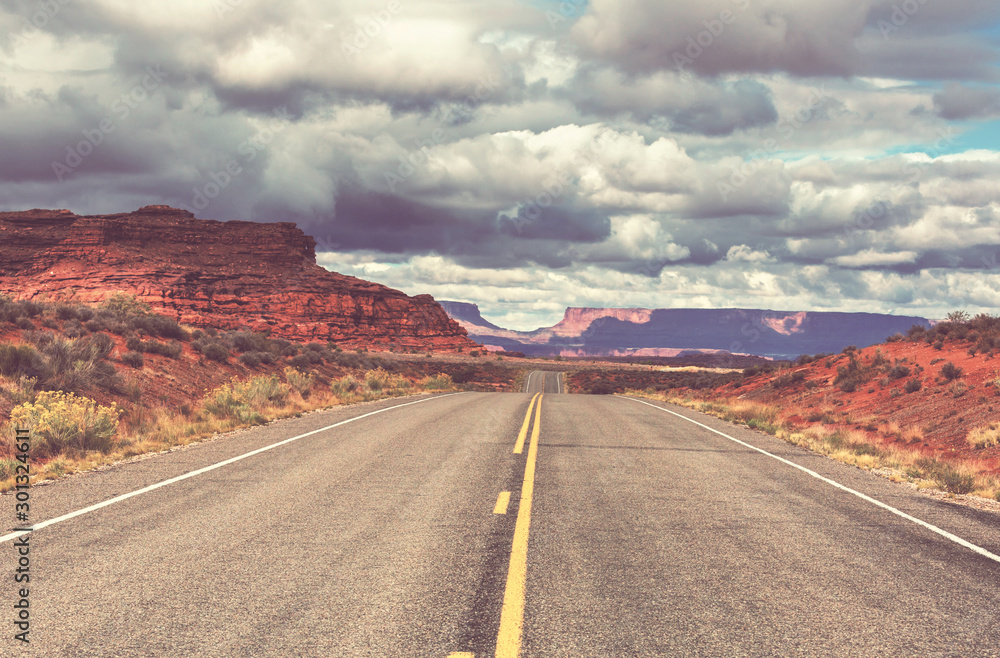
(986, 436)
(236, 405)
(856, 447)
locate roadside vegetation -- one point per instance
(850, 446)
(98, 384)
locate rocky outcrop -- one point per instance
(258, 276)
(667, 332)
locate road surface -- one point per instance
(628, 531)
(540, 381)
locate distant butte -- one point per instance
(206, 273)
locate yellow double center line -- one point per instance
(512, 614)
(519, 445)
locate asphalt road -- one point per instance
(629, 531)
(540, 381)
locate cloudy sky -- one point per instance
(529, 155)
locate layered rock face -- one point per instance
(229, 275)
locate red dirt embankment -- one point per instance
(872, 396)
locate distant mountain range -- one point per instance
(676, 332)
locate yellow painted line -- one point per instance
(519, 446)
(503, 500)
(512, 614)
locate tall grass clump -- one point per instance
(300, 381)
(246, 401)
(985, 437)
(62, 422)
(345, 387)
(440, 382)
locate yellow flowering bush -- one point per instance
(244, 400)
(61, 421)
(381, 381)
(300, 381)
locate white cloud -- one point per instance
(742, 253)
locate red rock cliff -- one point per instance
(207, 273)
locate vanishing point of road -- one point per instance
(482, 524)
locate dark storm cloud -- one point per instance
(958, 101)
(659, 148)
(716, 109)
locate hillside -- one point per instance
(909, 405)
(205, 273)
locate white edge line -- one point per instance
(212, 467)
(933, 528)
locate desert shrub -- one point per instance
(16, 360)
(300, 381)
(463, 374)
(950, 371)
(602, 386)
(63, 421)
(913, 385)
(247, 341)
(380, 380)
(245, 401)
(250, 359)
(751, 371)
(938, 345)
(124, 305)
(345, 386)
(439, 382)
(898, 371)
(134, 359)
(946, 476)
(301, 361)
(64, 364)
(22, 389)
(11, 311)
(265, 357)
(216, 352)
(788, 379)
(170, 350)
(158, 325)
(65, 312)
(986, 436)
(852, 376)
